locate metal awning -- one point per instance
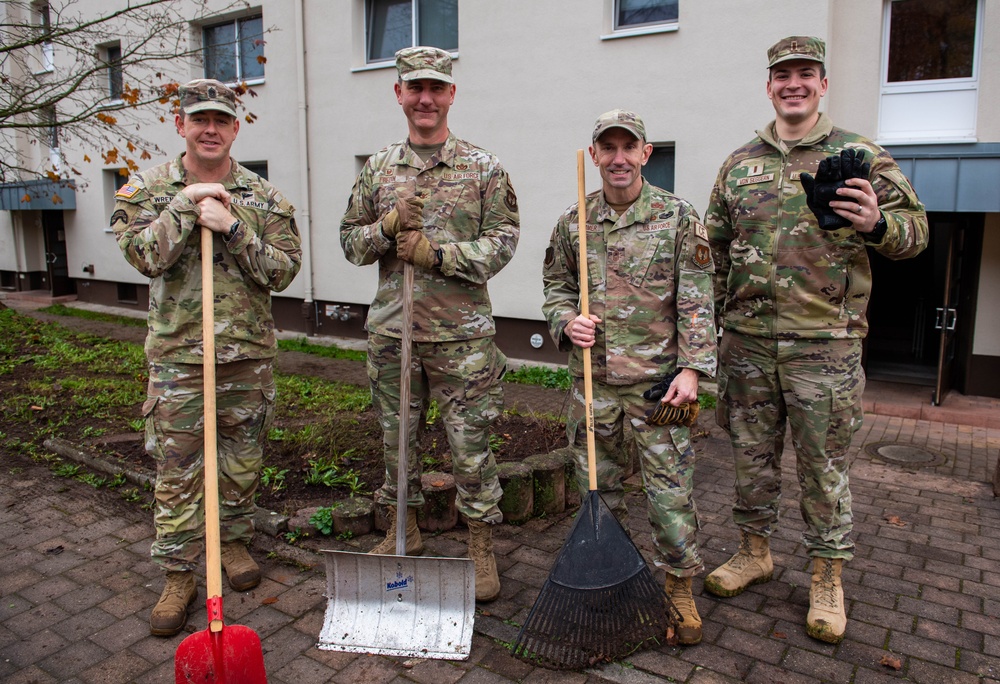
(37, 194)
(955, 177)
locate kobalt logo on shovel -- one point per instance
(400, 583)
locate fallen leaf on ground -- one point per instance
(780, 635)
(269, 600)
(891, 661)
(895, 520)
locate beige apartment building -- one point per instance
(921, 77)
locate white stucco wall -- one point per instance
(531, 79)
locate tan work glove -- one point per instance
(407, 214)
(413, 246)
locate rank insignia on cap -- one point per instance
(127, 191)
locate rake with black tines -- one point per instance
(600, 601)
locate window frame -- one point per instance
(114, 67)
(614, 31)
(42, 13)
(930, 85)
(927, 96)
(236, 46)
(367, 7)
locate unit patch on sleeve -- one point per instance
(702, 255)
(119, 215)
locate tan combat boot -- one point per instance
(750, 565)
(826, 620)
(242, 571)
(414, 544)
(170, 612)
(481, 553)
(679, 591)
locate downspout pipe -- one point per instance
(304, 212)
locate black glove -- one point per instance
(656, 392)
(830, 177)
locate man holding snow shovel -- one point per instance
(790, 219)
(157, 221)
(448, 208)
(650, 294)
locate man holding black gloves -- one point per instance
(790, 216)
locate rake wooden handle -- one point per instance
(213, 552)
(588, 381)
(402, 462)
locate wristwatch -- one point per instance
(232, 230)
(879, 231)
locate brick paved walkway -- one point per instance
(76, 584)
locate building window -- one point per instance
(260, 168)
(631, 14)
(128, 293)
(113, 58)
(931, 40)
(659, 170)
(391, 25)
(234, 51)
(43, 23)
(930, 81)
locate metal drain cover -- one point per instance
(905, 454)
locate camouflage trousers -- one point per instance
(816, 386)
(463, 377)
(175, 434)
(666, 459)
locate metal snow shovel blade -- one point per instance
(600, 601)
(400, 605)
(228, 654)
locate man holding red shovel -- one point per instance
(651, 334)
(447, 207)
(256, 250)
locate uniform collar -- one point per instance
(823, 128)
(446, 155)
(237, 177)
(639, 212)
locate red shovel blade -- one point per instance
(230, 656)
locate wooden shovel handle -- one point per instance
(588, 373)
(213, 550)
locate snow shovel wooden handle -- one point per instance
(405, 357)
(588, 373)
(213, 552)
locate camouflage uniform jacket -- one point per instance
(470, 210)
(777, 275)
(154, 223)
(649, 275)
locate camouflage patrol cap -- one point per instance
(796, 47)
(620, 118)
(414, 63)
(207, 94)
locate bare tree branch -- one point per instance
(54, 76)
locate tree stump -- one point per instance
(439, 512)
(354, 517)
(518, 484)
(550, 482)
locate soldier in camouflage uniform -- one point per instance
(157, 220)
(649, 272)
(791, 300)
(447, 207)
